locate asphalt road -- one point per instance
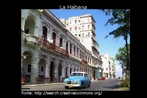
(106, 85)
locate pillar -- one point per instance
(33, 70)
(50, 34)
(21, 64)
(36, 29)
(46, 69)
(56, 78)
(68, 72)
(47, 72)
(73, 49)
(23, 23)
(63, 69)
(68, 46)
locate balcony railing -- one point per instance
(31, 39)
(58, 49)
(84, 61)
(75, 57)
(46, 43)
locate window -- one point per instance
(85, 75)
(79, 20)
(29, 68)
(79, 28)
(79, 34)
(106, 69)
(88, 33)
(67, 23)
(88, 26)
(75, 21)
(41, 68)
(70, 29)
(75, 28)
(82, 34)
(75, 34)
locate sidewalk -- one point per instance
(45, 84)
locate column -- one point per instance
(21, 64)
(76, 52)
(56, 68)
(56, 78)
(63, 69)
(49, 64)
(68, 46)
(47, 69)
(50, 34)
(73, 49)
(33, 70)
(68, 72)
(23, 23)
(64, 44)
(37, 70)
(36, 31)
(57, 40)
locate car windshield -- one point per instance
(77, 74)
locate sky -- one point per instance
(106, 45)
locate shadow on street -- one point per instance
(112, 87)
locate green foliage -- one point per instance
(125, 82)
(120, 17)
(121, 55)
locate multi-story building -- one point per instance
(83, 28)
(109, 69)
(113, 68)
(50, 50)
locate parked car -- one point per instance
(77, 79)
(102, 78)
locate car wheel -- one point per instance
(66, 87)
(82, 85)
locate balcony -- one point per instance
(43, 43)
(75, 57)
(84, 61)
(31, 39)
(58, 49)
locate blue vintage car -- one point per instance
(77, 79)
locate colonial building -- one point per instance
(113, 68)
(109, 69)
(49, 50)
(83, 28)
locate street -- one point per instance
(106, 85)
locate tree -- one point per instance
(121, 55)
(120, 17)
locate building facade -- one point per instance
(108, 65)
(83, 28)
(49, 49)
(113, 68)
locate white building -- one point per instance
(107, 65)
(83, 28)
(113, 68)
(50, 50)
